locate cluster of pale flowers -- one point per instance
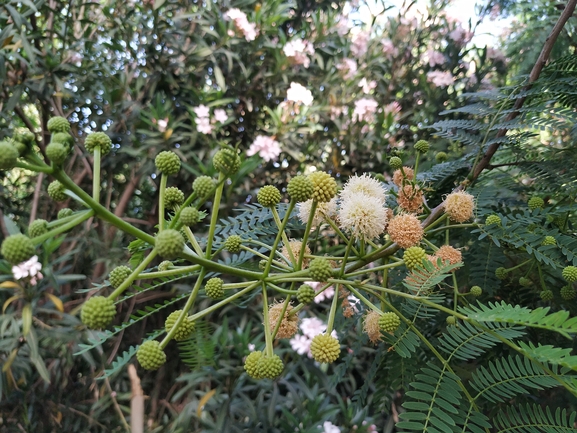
(203, 122)
(267, 148)
(242, 23)
(298, 51)
(30, 268)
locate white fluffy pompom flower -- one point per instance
(363, 216)
(364, 184)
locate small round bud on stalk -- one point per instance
(173, 197)
(269, 196)
(58, 124)
(414, 256)
(549, 240)
(320, 270)
(395, 162)
(185, 329)
(56, 191)
(535, 203)
(203, 185)
(451, 321)
(232, 244)
(226, 161)
(150, 356)
(8, 155)
(300, 189)
(546, 295)
(98, 139)
(422, 146)
(476, 291)
(17, 248)
(37, 228)
(493, 219)
(214, 288)
(169, 243)
(324, 186)
(167, 162)
(501, 273)
(441, 157)
(305, 294)
(64, 213)
(325, 348)
(189, 216)
(98, 312)
(389, 322)
(165, 265)
(63, 138)
(525, 282)
(57, 153)
(570, 274)
(567, 292)
(119, 275)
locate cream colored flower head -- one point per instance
(363, 216)
(295, 247)
(460, 206)
(405, 230)
(324, 211)
(371, 326)
(289, 322)
(364, 184)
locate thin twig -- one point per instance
(36, 197)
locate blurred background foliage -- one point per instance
(380, 75)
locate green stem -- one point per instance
(133, 276)
(281, 290)
(267, 331)
(436, 222)
(285, 239)
(169, 273)
(363, 299)
(96, 175)
(193, 241)
(281, 316)
(416, 166)
(161, 190)
(376, 269)
(333, 311)
(222, 303)
(453, 226)
(35, 168)
(277, 241)
(214, 214)
(78, 219)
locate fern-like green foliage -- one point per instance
(533, 419)
(422, 279)
(198, 350)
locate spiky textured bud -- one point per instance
(268, 196)
(570, 274)
(546, 295)
(17, 248)
(64, 213)
(233, 243)
(525, 282)
(535, 202)
(549, 240)
(395, 162)
(150, 356)
(451, 320)
(441, 157)
(324, 186)
(300, 189)
(389, 322)
(64, 138)
(325, 348)
(203, 185)
(58, 124)
(189, 216)
(493, 219)
(165, 265)
(98, 139)
(167, 162)
(476, 291)
(567, 292)
(305, 294)
(119, 275)
(214, 288)
(226, 161)
(184, 330)
(8, 155)
(37, 228)
(501, 273)
(169, 243)
(414, 256)
(422, 146)
(320, 269)
(173, 197)
(269, 367)
(56, 191)
(98, 312)
(57, 153)
(26, 137)
(251, 364)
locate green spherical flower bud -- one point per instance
(320, 270)
(57, 153)
(173, 197)
(325, 348)
(549, 240)
(17, 248)
(119, 275)
(476, 291)
(389, 322)
(414, 256)
(98, 312)
(37, 228)
(251, 364)
(395, 162)
(64, 213)
(525, 282)
(268, 196)
(306, 294)
(56, 191)
(169, 243)
(189, 216)
(63, 138)
(570, 274)
(167, 162)
(262, 264)
(501, 273)
(185, 329)
(98, 139)
(441, 157)
(269, 367)
(451, 320)
(150, 356)
(493, 219)
(422, 146)
(546, 295)
(22, 148)
(214, 288)
(58, 124)
(27, 137)
(535, 203)
(8, 155)
(300, 189)
(568, 292)
(203, 186)
(325, 187)
(226, 161)
(165, 265)
(233, 243)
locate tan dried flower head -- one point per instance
(289, 323)
(364, 184)
(459, 206)
(410, 198)
(371, 326)
(450, 254)
(363, 216)
(405, 230)
(323, 211)
(399, 179)
(295, 247)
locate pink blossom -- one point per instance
(241, 23)
(203, 125)
(365, 108)
(328, 293)
(348, 67)
(393, 108)
(298, 51)
(29, 268)
(329, 427)
(342, 26)
(251, 347)
(359, 44)
(300, 344)
(440, 78)
(389, 48)
(298, 93)
(268, 148)
(220, 115)
(434, 57)
(201, 111)
(460, 35)
(367, 85)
